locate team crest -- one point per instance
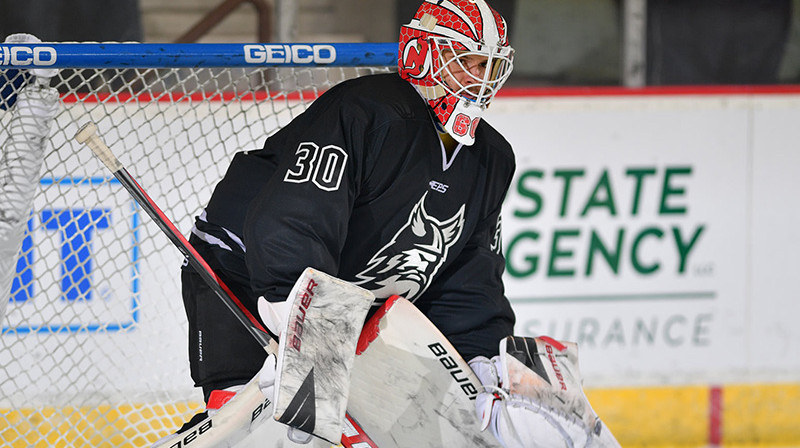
(406, 266)
(417, 58)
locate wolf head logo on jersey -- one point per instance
(406, 266)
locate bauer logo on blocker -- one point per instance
(21, 56)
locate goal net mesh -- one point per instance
(93, 346)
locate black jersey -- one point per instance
(359, 186)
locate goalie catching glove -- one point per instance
(533, 397)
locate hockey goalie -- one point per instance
(394, 184)
(33, 105)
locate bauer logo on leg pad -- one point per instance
(185, 439)
(254, 416)
(455, 370)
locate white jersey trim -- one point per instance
(211, 239)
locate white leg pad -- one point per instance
(411, 388)
(236, 419)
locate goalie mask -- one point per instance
(456, 53)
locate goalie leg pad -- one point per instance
(240, 419)
(533, 397)
(411, 387)
(22, 153)
(239, 415)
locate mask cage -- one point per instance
(484, 77)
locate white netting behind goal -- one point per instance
(93, 344)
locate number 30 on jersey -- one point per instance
(322, 166)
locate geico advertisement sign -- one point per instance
(285, 54)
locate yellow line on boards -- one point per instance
(733, 415)
(742, 415)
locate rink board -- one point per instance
(658, 232)
(669, 260)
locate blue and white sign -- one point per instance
(84, 258)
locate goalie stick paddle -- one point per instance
(87, 135)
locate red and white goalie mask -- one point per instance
(456, 53)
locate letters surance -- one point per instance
(322, 166)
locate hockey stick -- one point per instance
(87, 135)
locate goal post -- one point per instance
(93, 342)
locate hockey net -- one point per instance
(93, 345)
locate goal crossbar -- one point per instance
(149, 55)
